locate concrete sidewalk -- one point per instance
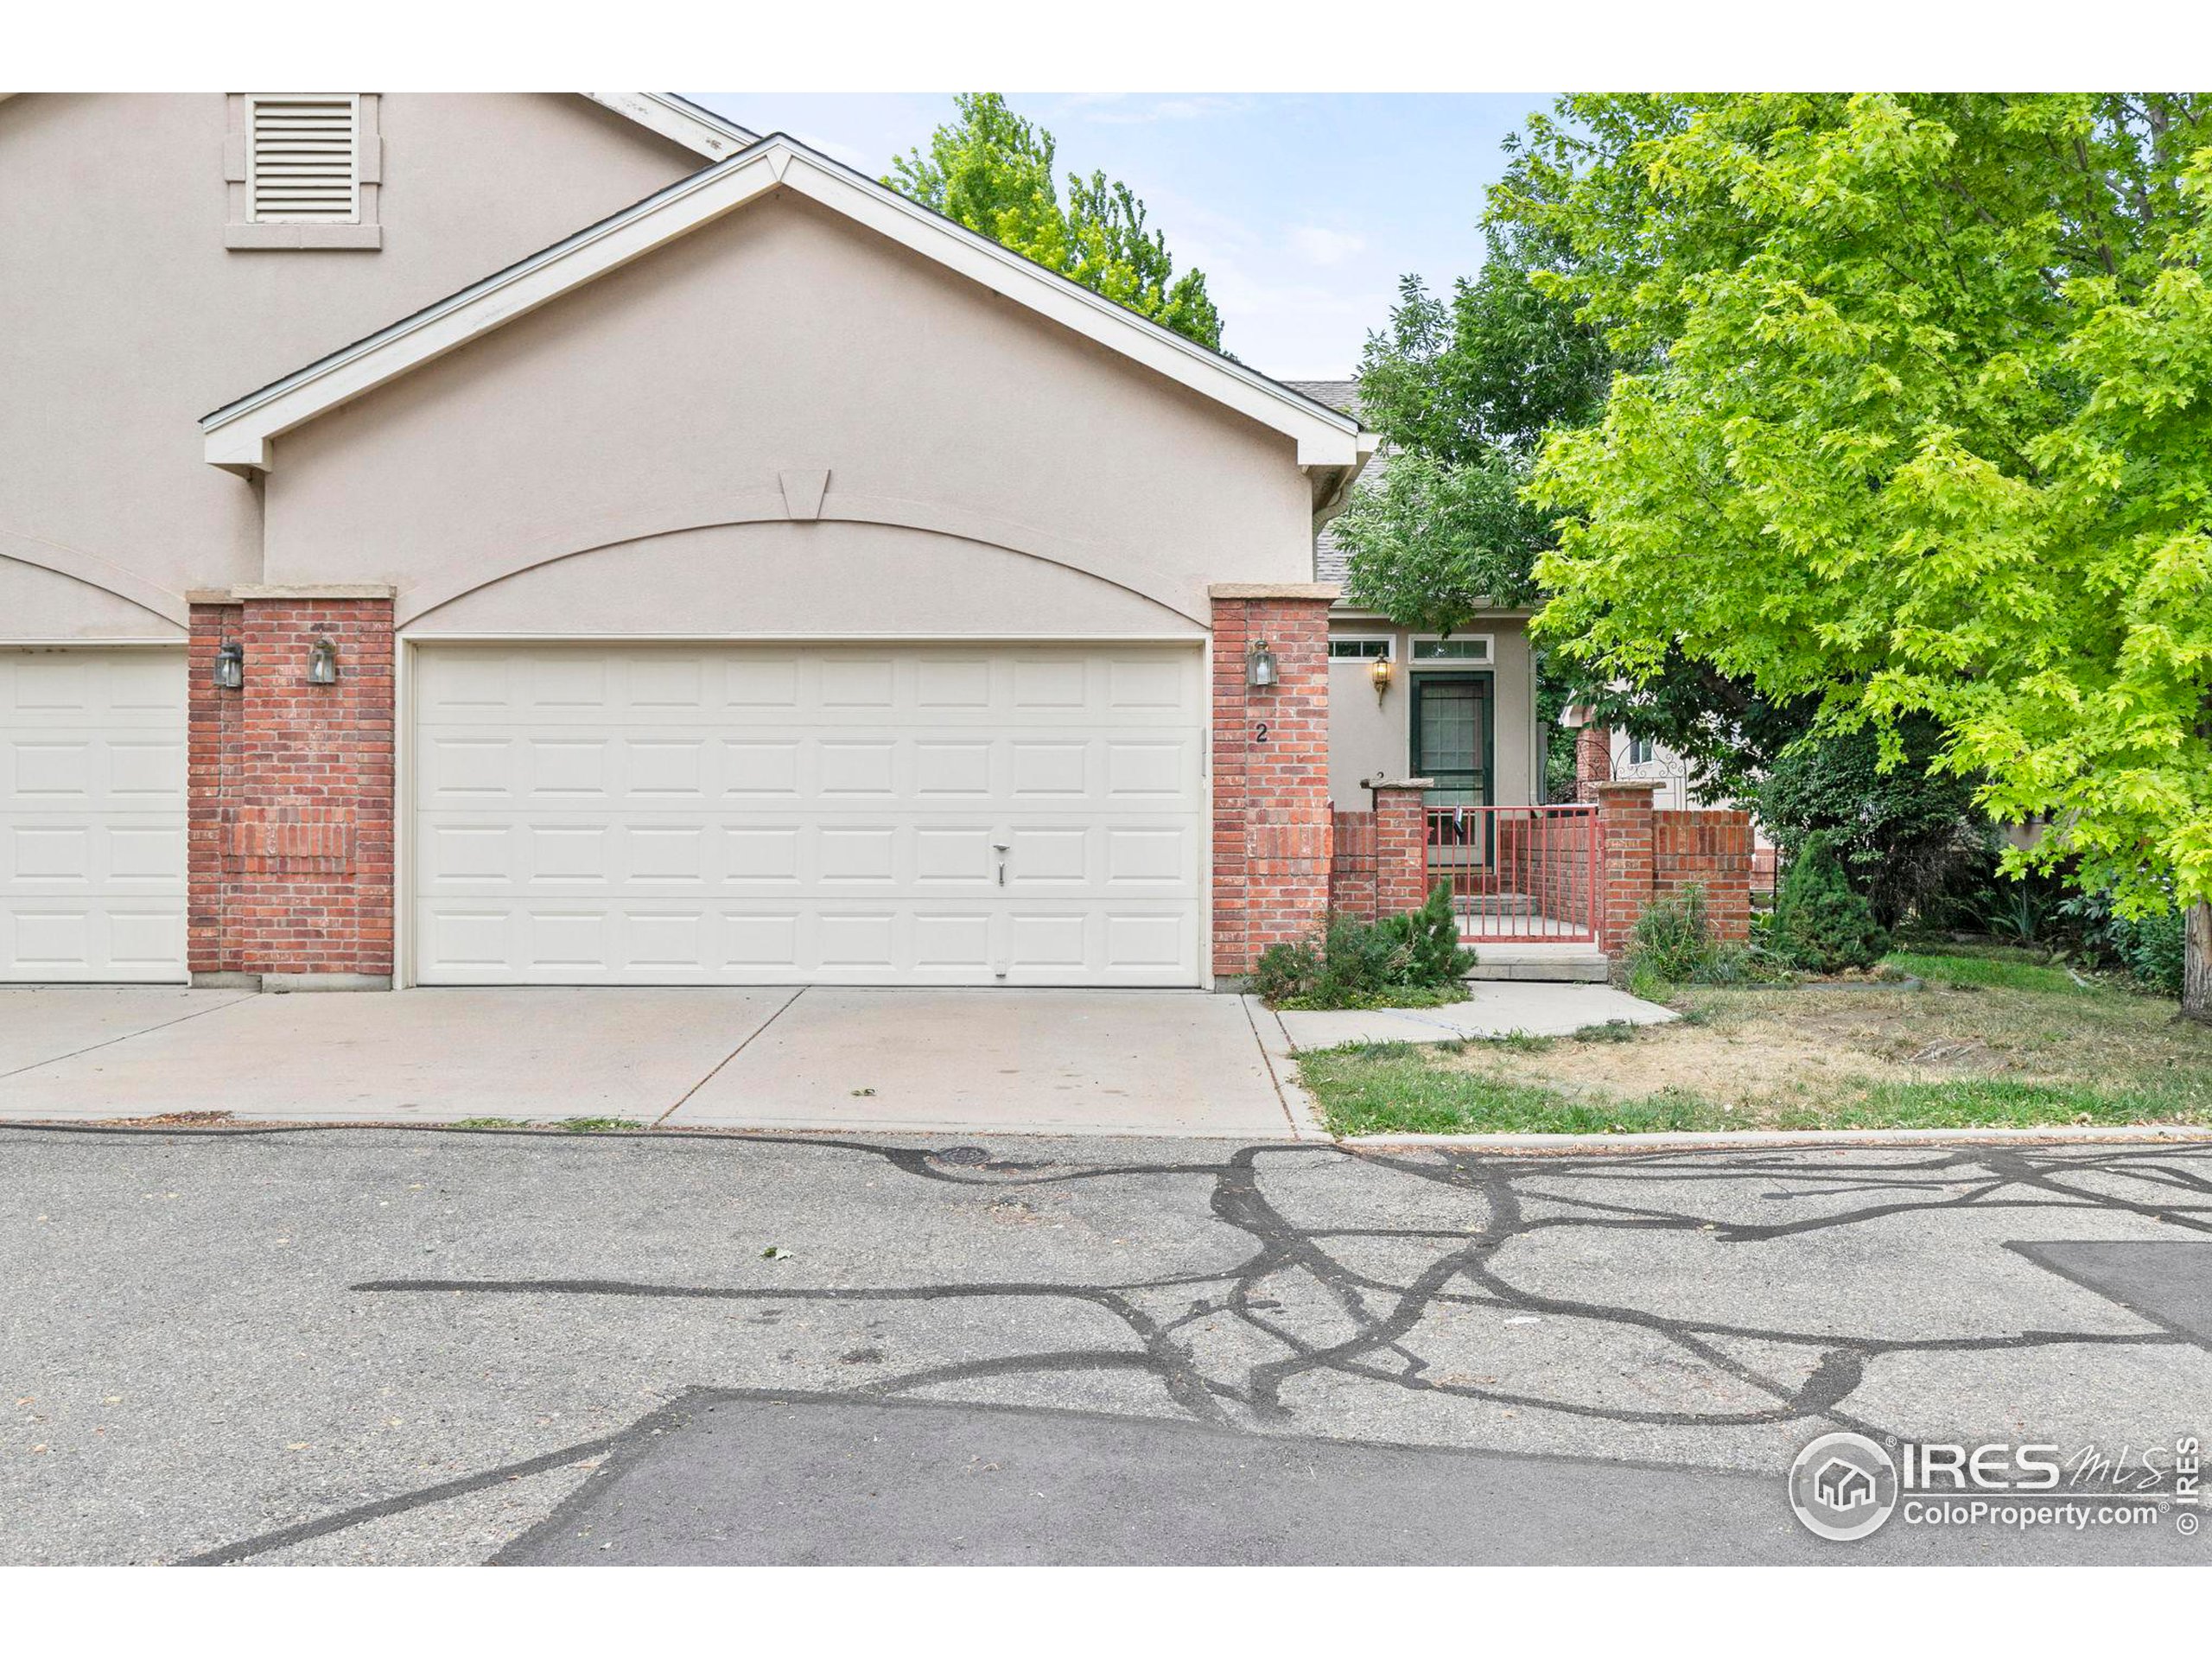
(1163, 1063)
(1492, 1009)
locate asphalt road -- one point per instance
(352, 1345)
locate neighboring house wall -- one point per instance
(123, 316)
(1646, 762)
(1369, 736)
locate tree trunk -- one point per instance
(2196, 963)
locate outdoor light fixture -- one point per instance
(322, 664)
(1260, 667)
(1380, 673)
(230, 667)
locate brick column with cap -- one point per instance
(1401, 845)
(1625, 856)
(1271, 817)
(1594, 760)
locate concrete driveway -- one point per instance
(1153, 1062)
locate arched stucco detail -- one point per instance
(633, 525)
(77, 593)
(776, 577)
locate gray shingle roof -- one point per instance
(1330, 561)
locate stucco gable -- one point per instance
(239, 436)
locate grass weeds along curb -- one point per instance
(1985, 1038)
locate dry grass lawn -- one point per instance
(2028, 1046)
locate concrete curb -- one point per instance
(1742, 1140)
(1282, 1057)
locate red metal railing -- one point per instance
(1519, 872)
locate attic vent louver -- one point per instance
(302, 158)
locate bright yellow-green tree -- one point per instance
(992, 171)
(1919, 424)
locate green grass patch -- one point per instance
(489, 1124)
(1405, 1088)
(2013, 970)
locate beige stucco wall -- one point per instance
(670, 394)
(123, 318)
(1367, 737)
(805, 581)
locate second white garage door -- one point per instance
(786, 815)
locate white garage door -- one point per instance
(91, 814)
(784, 814)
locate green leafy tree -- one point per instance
(1465, 389)
(992, 171)
(1915, 423)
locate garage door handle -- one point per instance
(999, 848)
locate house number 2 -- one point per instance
(1260, 733)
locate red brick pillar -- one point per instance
(1625, 854)
(1271, 816)
(1594, 760)
(291, 817)
(1401, 846)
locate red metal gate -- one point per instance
(1519, 872)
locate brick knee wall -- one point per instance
(290, 836)
(1645, 855)
(1710, 849)
(1271, 813)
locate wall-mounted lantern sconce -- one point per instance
(322, 664)
(1260, 666)
(230, 667)
(1380, 673)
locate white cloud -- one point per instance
(1319, 246)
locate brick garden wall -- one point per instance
(1271, 814)
(290, 839)
(1712, 848)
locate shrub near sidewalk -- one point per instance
(1820, 921)
(1673, 943)
(1412, 961)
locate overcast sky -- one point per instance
(1303, 211)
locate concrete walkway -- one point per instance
(1496, 1008)
(1154, 1063)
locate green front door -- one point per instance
(1452, 737)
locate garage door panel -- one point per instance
(770, 814)
(93, 764)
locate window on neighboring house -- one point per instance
(1364, 649)
(305, 170)
(1639, 751)
(1460, 648)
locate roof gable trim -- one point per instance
(238, 436)
(698, 128)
